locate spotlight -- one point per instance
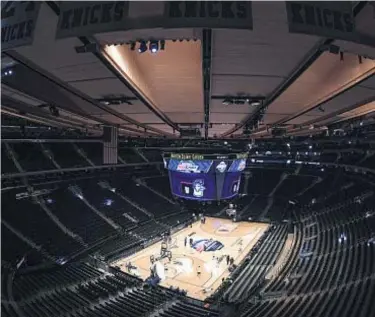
(255, 103)
(227, 101)
(154, 46)
(142, 47)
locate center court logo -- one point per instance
(207, 245)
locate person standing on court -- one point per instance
(185, 241)
(199, 271)
(228, 259)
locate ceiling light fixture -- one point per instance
(142, 47)
(254, 103)
(227, 101)
(154, 46)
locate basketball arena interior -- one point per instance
(186, 158)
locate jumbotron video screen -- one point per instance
(205, 176)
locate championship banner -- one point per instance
(87, 18)
(208, 14)
(18, 20)
(330, 19)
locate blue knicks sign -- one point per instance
(207, 245)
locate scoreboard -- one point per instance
(205, 176)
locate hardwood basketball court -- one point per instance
(226, 238)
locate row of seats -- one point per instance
(160, 184)
(144, 197)
(27, 285)
(331, 269)
(78, 289)
(77, 207)
(27, 216)
(259, 261)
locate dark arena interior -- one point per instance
(172, 159)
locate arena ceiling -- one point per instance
(220, 81)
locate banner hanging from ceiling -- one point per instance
(333, 19)
(92, 17)
(365, 22)
(329, 19)
(208, 14)
(87, 18)
(18, 20)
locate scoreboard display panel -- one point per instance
(205, 177)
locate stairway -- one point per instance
(317, 181)
(59, 223)
(27, 240)
(13, 157)
(137, 151)
(135, 205)
(101, 215)
(83, 154)
(270, 196)
(47, 153)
